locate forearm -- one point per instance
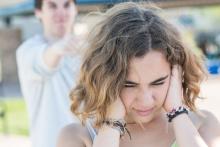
(186, 133)
(107, 137)
(51, 58)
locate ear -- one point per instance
(38, 13)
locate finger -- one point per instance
(179, 69)
(180, 72)
(175, 71)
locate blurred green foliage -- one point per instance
(13, 117)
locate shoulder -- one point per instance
(32, 42)
(209, 122)
(74, 135)
(196, 118)
(203, 119)
(209, 127)
(31, 48)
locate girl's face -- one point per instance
(146, 86)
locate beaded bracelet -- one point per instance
(175, 112)
(119, 125)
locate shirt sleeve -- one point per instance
(39, 65)
(30, 61)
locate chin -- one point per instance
(60, 31)
(60, 34)
(145, 118)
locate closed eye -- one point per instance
(159, 81)
(130, 84)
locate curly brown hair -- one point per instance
(128, 30)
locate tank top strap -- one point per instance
(91, 130)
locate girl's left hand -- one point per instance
(175, 94)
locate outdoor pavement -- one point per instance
(210, 90)
(14, 141)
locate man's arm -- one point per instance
(55, 52)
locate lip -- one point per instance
(144, 112)
(60, 23)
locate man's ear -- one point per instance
(38, 13)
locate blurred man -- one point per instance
(47, 65)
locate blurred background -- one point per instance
(197, 20)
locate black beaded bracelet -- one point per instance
(175, 112)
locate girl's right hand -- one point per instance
(116, 110)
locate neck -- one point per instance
(51, 39)
(150, 132)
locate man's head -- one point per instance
(38, 4)
(57, 16)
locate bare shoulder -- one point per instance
(196, 118)
(203, 117)
(209, 128)
(74, 135)
(209, 122)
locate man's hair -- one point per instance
(38, 3)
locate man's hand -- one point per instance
(69, 45)
(66, 46)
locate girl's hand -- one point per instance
(174, 95)
(116, 110)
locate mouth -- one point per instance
(144, 112)
(60, 23)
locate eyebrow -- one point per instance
(68, 1)
(51, 2)
(155, 81)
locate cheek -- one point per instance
(49, 17)
(128, 96)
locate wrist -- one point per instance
(175, 112)
(117, 124)
(109, 129)
(169, 108)
(115, 116)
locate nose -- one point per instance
(145, 98)
(61, 14)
